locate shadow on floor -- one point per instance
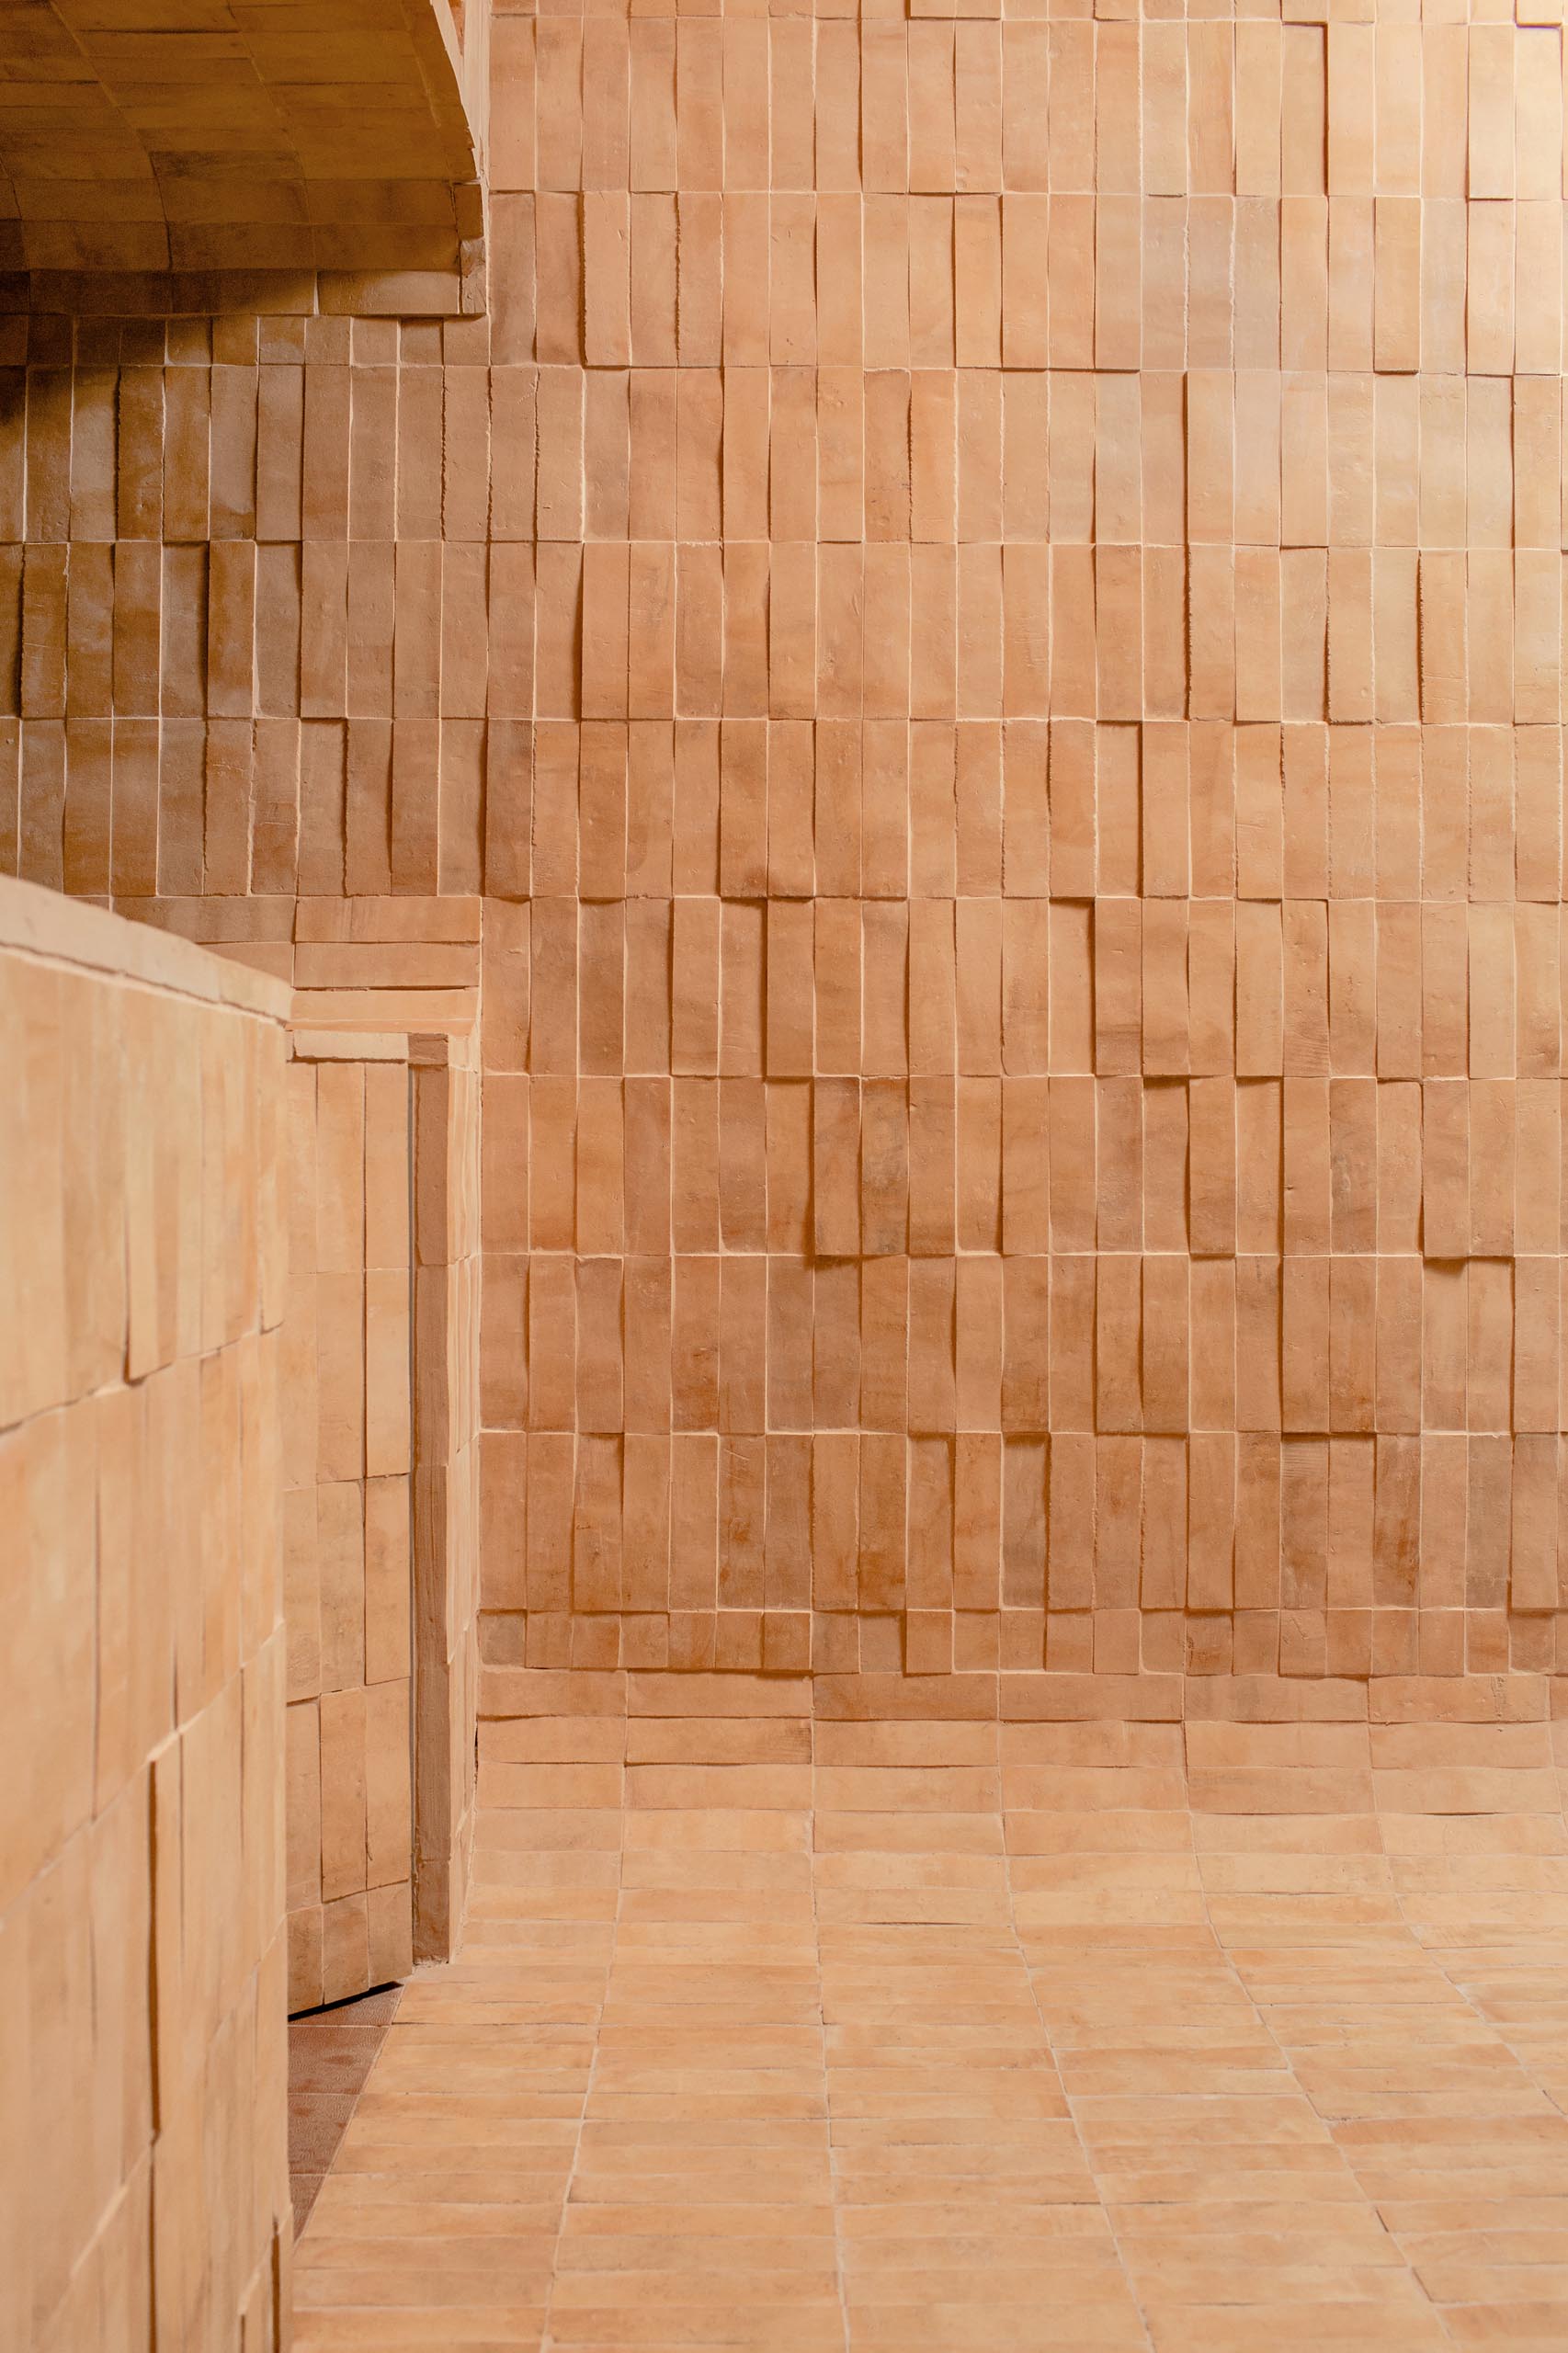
(330, 2053)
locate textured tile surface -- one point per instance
(348, 1514)
(142, 1958)
(969, 658)
(140, 140)
(914, 2044)
(380, 1501)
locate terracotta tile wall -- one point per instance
(1036, 1042)
(381, 1343)
(447, 1296)
(983, 617)
(143, 2177)
(348, 1516)
(231, 554)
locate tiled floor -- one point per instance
(1050, 2039)
(331, 2053)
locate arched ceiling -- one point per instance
(194, 136)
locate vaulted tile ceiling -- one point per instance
(200, 136)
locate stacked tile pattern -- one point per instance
(380, 1506)
(1036, 1034)
(447, 1284)
(983, 618)
(349, 1517)
(144, 2180)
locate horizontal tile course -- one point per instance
(1260, 2082)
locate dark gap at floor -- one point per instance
(330, 2053)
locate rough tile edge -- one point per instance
(155, 294)
(349, 1046)
(449, 293)
(454, 921)
(508, 1692)
(36, 922)
(1081, 1699)
(455, 1011)
(445, 1049)
(393, 294)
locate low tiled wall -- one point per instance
(143, 2188)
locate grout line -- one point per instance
(1436, 1956)
(1368, 2202)
(547, 2335)
(1045, 2030)
(840, 2266)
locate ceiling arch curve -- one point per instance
(277, 136)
